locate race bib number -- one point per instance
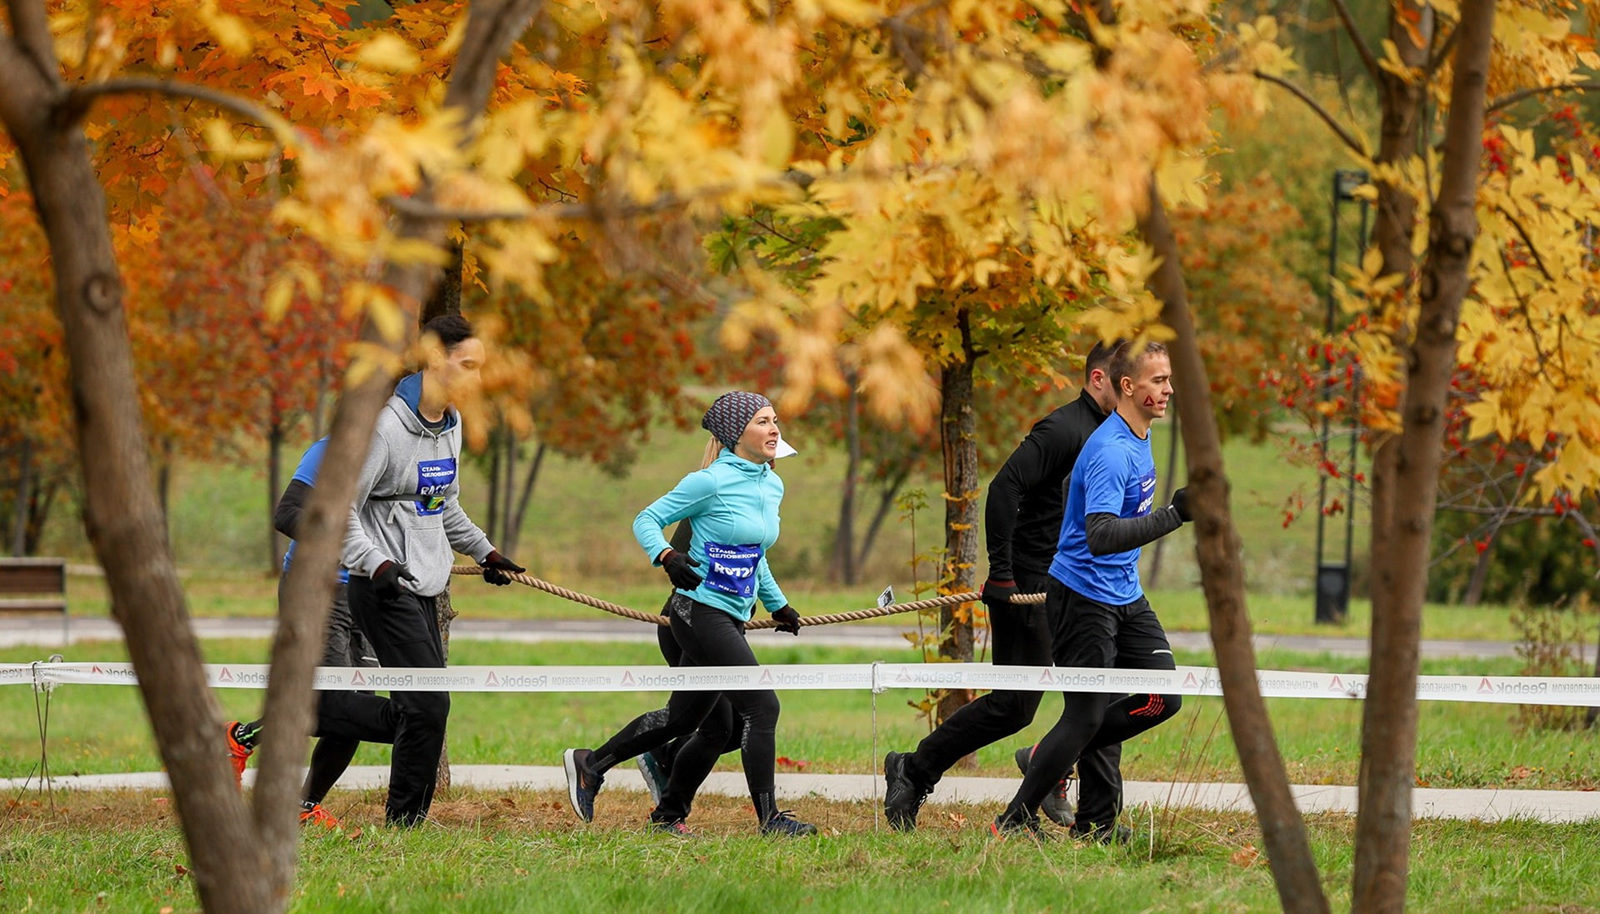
(434, 479)
(733, 568)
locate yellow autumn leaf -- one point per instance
(389, 53)
(230, 31)
(276, 301)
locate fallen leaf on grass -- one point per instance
(1245, 856)
(167, 909)
(788, 763)
(508, 801)
(1520, 772)
(956, 819)
(180, 869)
(353, 833)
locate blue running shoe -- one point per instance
(655, 775)
(582, 784)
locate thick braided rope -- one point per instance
(821, 619)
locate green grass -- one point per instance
(101, 729)
(519, 851)
(578, 525)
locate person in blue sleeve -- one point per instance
(1098, 613)
(733, 503)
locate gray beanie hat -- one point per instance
(730, 413)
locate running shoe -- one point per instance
(674, 828)
(1004, 829)
(316, 815)
(582, 784)
(238, 753)
(655, 775)
(785, 824)
(902, 796)
(1056, 806)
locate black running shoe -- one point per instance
(902, 796)
(1057, 806)
(674, 829)
(582, 784)
(1102, 834)
(785, 824)
(1005, 829)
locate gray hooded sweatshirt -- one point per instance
(406, 506)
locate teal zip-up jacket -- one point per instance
(734, 507)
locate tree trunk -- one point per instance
(239, 862)
(275, 545)
(886, 497)
(1389, 715)
(843, 567)
(1480, 570)
(508, 486)
(1169, 480)
(1217, 548)
(514, 535)
(123, 517)
(492, 522)
(959, 440)
(19, 510)
(1400, 139)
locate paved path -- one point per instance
(46, 632)
(1427, 803)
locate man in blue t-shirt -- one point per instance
(1098, 613)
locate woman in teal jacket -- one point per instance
(733, 504)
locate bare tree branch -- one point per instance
(1511, 98)
(1343, 134)
(1368, 59)
(81, 98)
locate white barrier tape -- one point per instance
(1188, 680)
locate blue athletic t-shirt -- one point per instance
(306, 473)
(1115, 474)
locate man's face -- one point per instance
(459, 369)
(1151, 386)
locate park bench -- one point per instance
(34, 585)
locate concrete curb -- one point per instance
(1427, 803)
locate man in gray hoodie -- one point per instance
(406, 524)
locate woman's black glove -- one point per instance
(788, 620)
(495, 567)
(1180, 500)
(680, 570)
(386, 580)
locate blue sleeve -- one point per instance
(767, 590)
(310, 462)
(1105, 479)
(688, 498)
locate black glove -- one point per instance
(1180, 500)
(997, 594)
(495, 567)
(788, 620)
(680, 570)
(386, 580)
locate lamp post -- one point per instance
(1333, 577)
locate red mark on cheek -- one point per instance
(1150, 402)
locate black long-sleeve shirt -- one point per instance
(1022, 520)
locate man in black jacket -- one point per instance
(1022, 523)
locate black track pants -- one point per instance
(404, 632)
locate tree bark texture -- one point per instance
(1217, 549)
(959, 440)
(844, 536)
(1389, 715)
(239, 862)
(1400, 139)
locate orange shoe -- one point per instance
(316, 815)
(238, 753)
